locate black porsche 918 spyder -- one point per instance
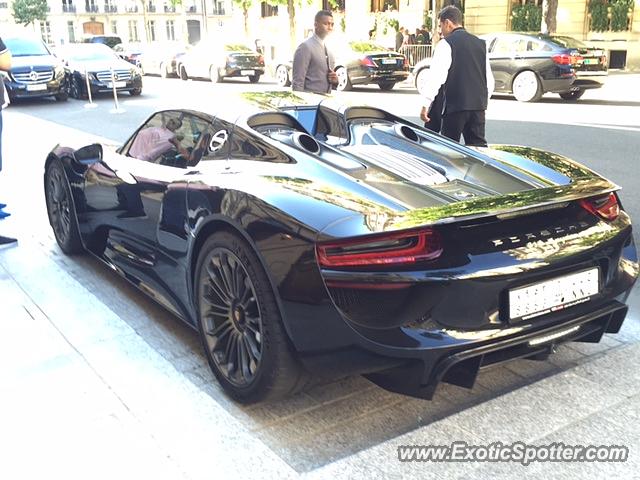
(306, 238)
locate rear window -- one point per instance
(25, 47)
(567, 42)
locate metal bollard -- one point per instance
(90, 104)
(115, 94)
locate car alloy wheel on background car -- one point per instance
(60, 209)
(421, 79)
(75, 89)
(574, 94)
(344, 83)
(254, 78)
(282, 76)
(526, 87)
(134, 92)
(239, 323)
(183, 73)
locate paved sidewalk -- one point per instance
(97, 382)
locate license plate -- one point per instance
(389, 61)
(118, 84)
(553, 295)
(37, 87)
(247, 72)
(590, 61)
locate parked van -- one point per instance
(108, 40)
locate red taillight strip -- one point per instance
(605, 206)
(381, 249)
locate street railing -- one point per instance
(415, 53)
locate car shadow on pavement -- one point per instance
(334, 418)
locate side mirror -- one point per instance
(89, 154)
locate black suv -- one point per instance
(108, 40)
(35, 72)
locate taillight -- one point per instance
(367, 62)
(405, 63)
(398, 248)
(261, 60)
(605, 206)
(562, 59)
(576, 59)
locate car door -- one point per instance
(140, 206)
(502, 57)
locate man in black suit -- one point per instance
(460, 65)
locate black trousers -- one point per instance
(470, 124)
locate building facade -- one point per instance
(268, 25)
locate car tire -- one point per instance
(135, 92)
(183, 73)
(344, 82)
(386, 86)
(214, 74)
(254, 78)
(572, 95)
(164, 73)
(526, 87)
(75, 88)
(240, 323)
(282, 76)
(61, 210)
(62, 96)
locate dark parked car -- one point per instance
(361, 64)
(301, 236)
(131, 52)
(162, 58)
(35, 71)
(102, 66)
(217, 61)
(108, 40)
(530, 65)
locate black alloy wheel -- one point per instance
(240, 324)
(60, 209)
(254, 78)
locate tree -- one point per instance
(549, 11)
(245, 5)
(291, 7)
(27, 11)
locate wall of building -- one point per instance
(486, 16)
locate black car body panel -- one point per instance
(216, 61)
(312, 185)
(35, 72)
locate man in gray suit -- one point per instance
(313, 64)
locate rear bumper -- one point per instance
(420, 373)
(238, 72)
(557, 85)
(589, 80)
(375, 77)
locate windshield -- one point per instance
(568, 42)
(25, 47)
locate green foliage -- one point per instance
(619, 14)
(427, 20)
(343, 24)
(598, 11)
(27, 11)
(393, 23)
(526, 18)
